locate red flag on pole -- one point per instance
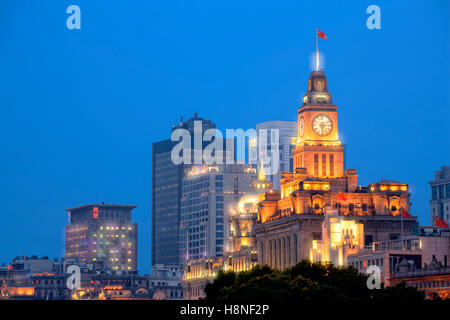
(441, 223)
(320, 34)
(405, 213)
(342, 196)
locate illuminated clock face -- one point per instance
(301, 126)
(322, 125)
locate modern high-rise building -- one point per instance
(440, 196)
(209, 195)
(167, 191)
(240, 214)
(286, 131)
(103, 233)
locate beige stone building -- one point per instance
(290, 222)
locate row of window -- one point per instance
(197, 229)
(196, 243)
(197, 236)
(324, 165)
(441, 191)
(363, 264)
(186, 209)
(197, 222)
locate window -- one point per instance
(219, 184)
(447, 191)
(351, 206)
(441, 191)
(316, 164)
(331, 165)
(219, 234)
(324, 165)
(434, 193)
(368, 240)
(219, 227)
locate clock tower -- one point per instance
(318, 148)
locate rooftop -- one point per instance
(103, 205)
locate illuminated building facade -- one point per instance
(241, 254)
(286, 130)
(209, 194)
(290, 222)
(440, 196)
(33, 278)
(341, 236)
(198, 273)
(103, 233)
(167, 180)
(241, 251)
(16, 292)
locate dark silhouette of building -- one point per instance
(167, 191)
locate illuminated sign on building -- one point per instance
(95, 212)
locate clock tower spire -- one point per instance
(318, 148)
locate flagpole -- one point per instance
(317, 49)
(401, 224)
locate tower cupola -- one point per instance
(317, 93)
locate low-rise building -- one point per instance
(418, 251)
(198, 273)
(433, 278)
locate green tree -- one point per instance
(303, 282)
(399, 293)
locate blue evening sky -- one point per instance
(80, 108)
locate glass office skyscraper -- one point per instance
(166, 194)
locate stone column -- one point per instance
(272, 253)
(289, 252)
(295, 249)
(279, 253)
